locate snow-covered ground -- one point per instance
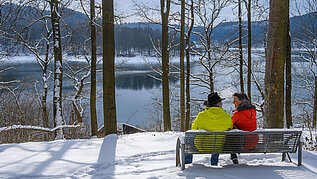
(142, 155)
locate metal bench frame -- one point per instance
(283, 141)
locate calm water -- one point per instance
(135, 89)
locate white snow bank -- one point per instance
(143, 155)
(118, 60)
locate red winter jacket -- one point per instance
(244, 118)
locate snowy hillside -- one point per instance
(143, 155)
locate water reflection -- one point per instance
(139, 80)
(127, 79)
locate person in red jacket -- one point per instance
(244, 118)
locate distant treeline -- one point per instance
(130, 38)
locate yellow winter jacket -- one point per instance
(211, 119)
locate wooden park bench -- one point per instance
(260, 141)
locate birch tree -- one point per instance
(58, 68)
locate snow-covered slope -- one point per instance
(143, 155)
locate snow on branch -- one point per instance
(9, 82)
(28, 127)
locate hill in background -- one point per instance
(130, 38)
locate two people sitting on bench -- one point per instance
(214, 118)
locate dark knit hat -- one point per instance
(213, 98)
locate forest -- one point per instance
(273, 62)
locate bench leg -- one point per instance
(283, 156)
(300, 150)
(289, 157)
(182, 156)
(177, 152)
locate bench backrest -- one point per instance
(259, 141)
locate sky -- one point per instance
(128, 9)
(142, 155)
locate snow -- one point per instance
(35, 127)
(126, 60)
(141, 155)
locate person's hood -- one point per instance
(245, 106)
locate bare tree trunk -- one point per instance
(182, 82)
(249, 49)
(45, 86)
(315, 104)
(76, 99)
(275, 61)
(188, 66)
(165, 9)
(211, 77)
(93, 110)
(288, 60)
(240, 47)
(109, 99)
(58, 71)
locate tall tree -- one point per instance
(288, 61)
(109, 99)
(58, 69)
(182, 82)
(275, 61)
(165, 10)
(249, 48)
(93, 109)
(240, 46)
(188, 35)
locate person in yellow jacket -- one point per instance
(213, 118)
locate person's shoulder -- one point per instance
(227, 115)
(200, 114)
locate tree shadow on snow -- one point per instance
(105, 166)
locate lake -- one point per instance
(136, 89)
